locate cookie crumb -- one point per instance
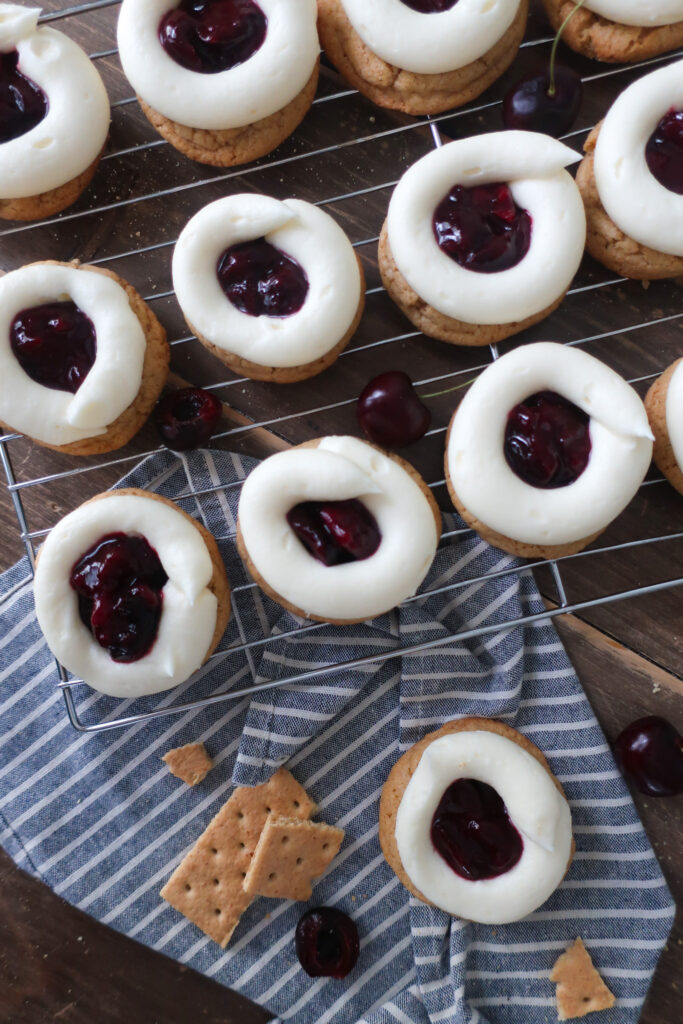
(190, 763)
(580, 989)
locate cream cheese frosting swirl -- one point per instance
(640, 205)
(621, 446)
(533, 165)
(239, 96)
(71, 135)
(639, 13)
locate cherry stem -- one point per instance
(556, 40)
(437, 394)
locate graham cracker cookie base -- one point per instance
(392, 87)
(663, 453)
(401, 773)
(154, 374)
(265, 586)
(580, 989)
(437, 325)
(290, 853)
(46, 204)
(609, 41)
(606, 242)
(285, 374)
(234, 146)
(191, 763)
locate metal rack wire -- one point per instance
(125, 715)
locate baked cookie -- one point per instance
(82, 357)
(131, 593)
(54, 117)
(273, 288)
(483, 236)
(337, 530)
(547, 447)
(421, 56)
(631, 179)
(225, 81)
(619, 31)
(482, 770)
(664, 404)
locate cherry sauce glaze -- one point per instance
(649, 752)
(664, 152)
(482, 228)
(23, 104)
(390, 412)
(471, 830)
(430, 6)
(547, 440)
(327, 943)
(209, 36)
(55, 344)
(335, 532)
(187, 418)
(119, 582)
(261, 280)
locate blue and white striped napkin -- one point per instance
(98, 817)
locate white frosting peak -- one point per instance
(16, 23)
(640, 13)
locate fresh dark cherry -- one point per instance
(23, 104)
(390, 412)
(335, 532)
(482, 228)
(261, 280)
(120, 582)
(327, 943)
(430, 6)
(209, 36)
(471, 830)
(649, 753)
(55, 344)
(664, 152)
(187, 418)
(547, 440)
(532, 106)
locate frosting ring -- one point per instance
(249, 92)
(189, 612)
(639, 13)
(431, 44)
(74, 130)
(299, 229)
(536, 807)
(533, 166)
(637, 203)
(338, 469)
(674, 413)
(621, 446)
(59, 417)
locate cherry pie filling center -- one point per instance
(261, 280)
(209, 36)
(547, 440)
(664, 152)
(471, 830)
(55, 344)
(23, 104)
(335, 532)
(430, 6)
(482, 228)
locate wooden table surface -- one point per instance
(58, 964)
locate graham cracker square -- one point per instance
(580, 989)
(190, 763)
(288, 856)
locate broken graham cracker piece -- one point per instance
(289, 855)
(207, 885)
(190, 763)
(580, 989)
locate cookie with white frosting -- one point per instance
(631, 179)
(664, 404)
(272, 287)
(547, 447)
(337, 530)
(224, 81)
(131, 593)
(54, 117)
(82, 357)
(483, 236)
(619, 31)
(421, 56)
(476, 769)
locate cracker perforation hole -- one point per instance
(271, 876)
(299, 860)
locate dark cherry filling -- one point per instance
(482, 228)
(335, 532)
(187, 418)
(327, 943)
(209, 36)
(547, 440)
(119, 583)
(55, 344)
(664, 152)
(23, 104)
(649, 752)
(430, 6)
(471, 830)
(261, 280)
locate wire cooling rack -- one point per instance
(132, 139)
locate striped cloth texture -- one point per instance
(98, 817)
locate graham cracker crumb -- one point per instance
(580, 989)
(191, 763)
